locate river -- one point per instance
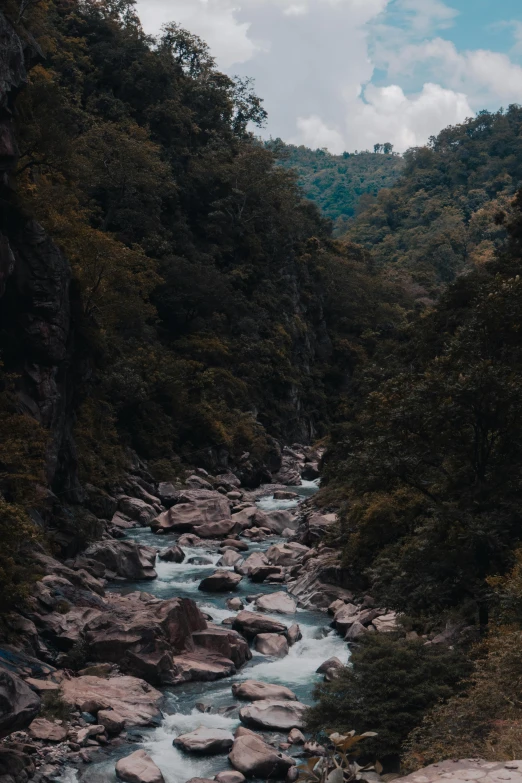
(297, 670)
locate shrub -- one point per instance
(388, 687)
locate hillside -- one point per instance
(338, 184)
(446, 213)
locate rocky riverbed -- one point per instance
(204, 618)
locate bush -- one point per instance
(388, 687)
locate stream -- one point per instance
(297, 670)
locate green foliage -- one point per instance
(54, 707)
(442, 215)
(340, 185)
(388, 687)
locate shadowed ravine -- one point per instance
(297, 670)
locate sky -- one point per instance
(348, 74)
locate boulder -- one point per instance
(264, 572)
(203, 507)
(252, 757)
(296, 737)
(310, 472)
(241, 546)
(250, 624)
(355, 632)
(112, 721)
(202, 667)
(198, 482)
(214, 529)
(294, 634)
(255, 560)
(331, 663)
(277, 521)
(229, 481)
(279, 602)
(224, 642)
(89, 732)
(47, 731)
(173, 554)
(136, 509)
(168, 494)
(247, 518)
(124, 558)
(220, 582)
(253, 690)
(230, 558)
(230, 776)
(138, 768)
(283, 494)
(272, 644)
(285, 554)
(204, 741)
(276, 715)
(132, 699)
(19, 705)
(235, 604)
(140, 633)
(387, 623)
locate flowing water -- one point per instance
(297, 670)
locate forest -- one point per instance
(228, 295)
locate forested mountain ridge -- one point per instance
(340, 185)
(445, 214)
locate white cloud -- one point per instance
(314, 133)
(313, 62)
(213, 20)
(386, 114)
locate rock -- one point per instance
(43, 686)
(140, 633)
(235, 604)
(235, 495)
(314, 749)
(220, 582)
(252, 756)
(279, 602)
(113, 722)
(253, 690)
(292, 775)
(387, 623)
(264, 572)
(203, 508)
(247, 518)
(125, 558)
(294, 634)
(283, 494)
(138, 768)
(225, 642)
(254, 560)
(465, 770)
(331, 663)
(19, 705)
(136, 509)
(214, 529)
(310, 472)
(168, 494)
(277, 521)
(198, 482)
(173, 554)
(229, 776)
(202, 667)
(241, 546)
(250, 624)
(277, 715)
(355, 632)
(285, 554)
(133, 699)
(345, 616)
(296, 737)
(230, 559)
(229, 481)
(271, 644)
(335, 606)
(84, 735)
(46, 730)
(205, 741)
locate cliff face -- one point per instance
(36, 337)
